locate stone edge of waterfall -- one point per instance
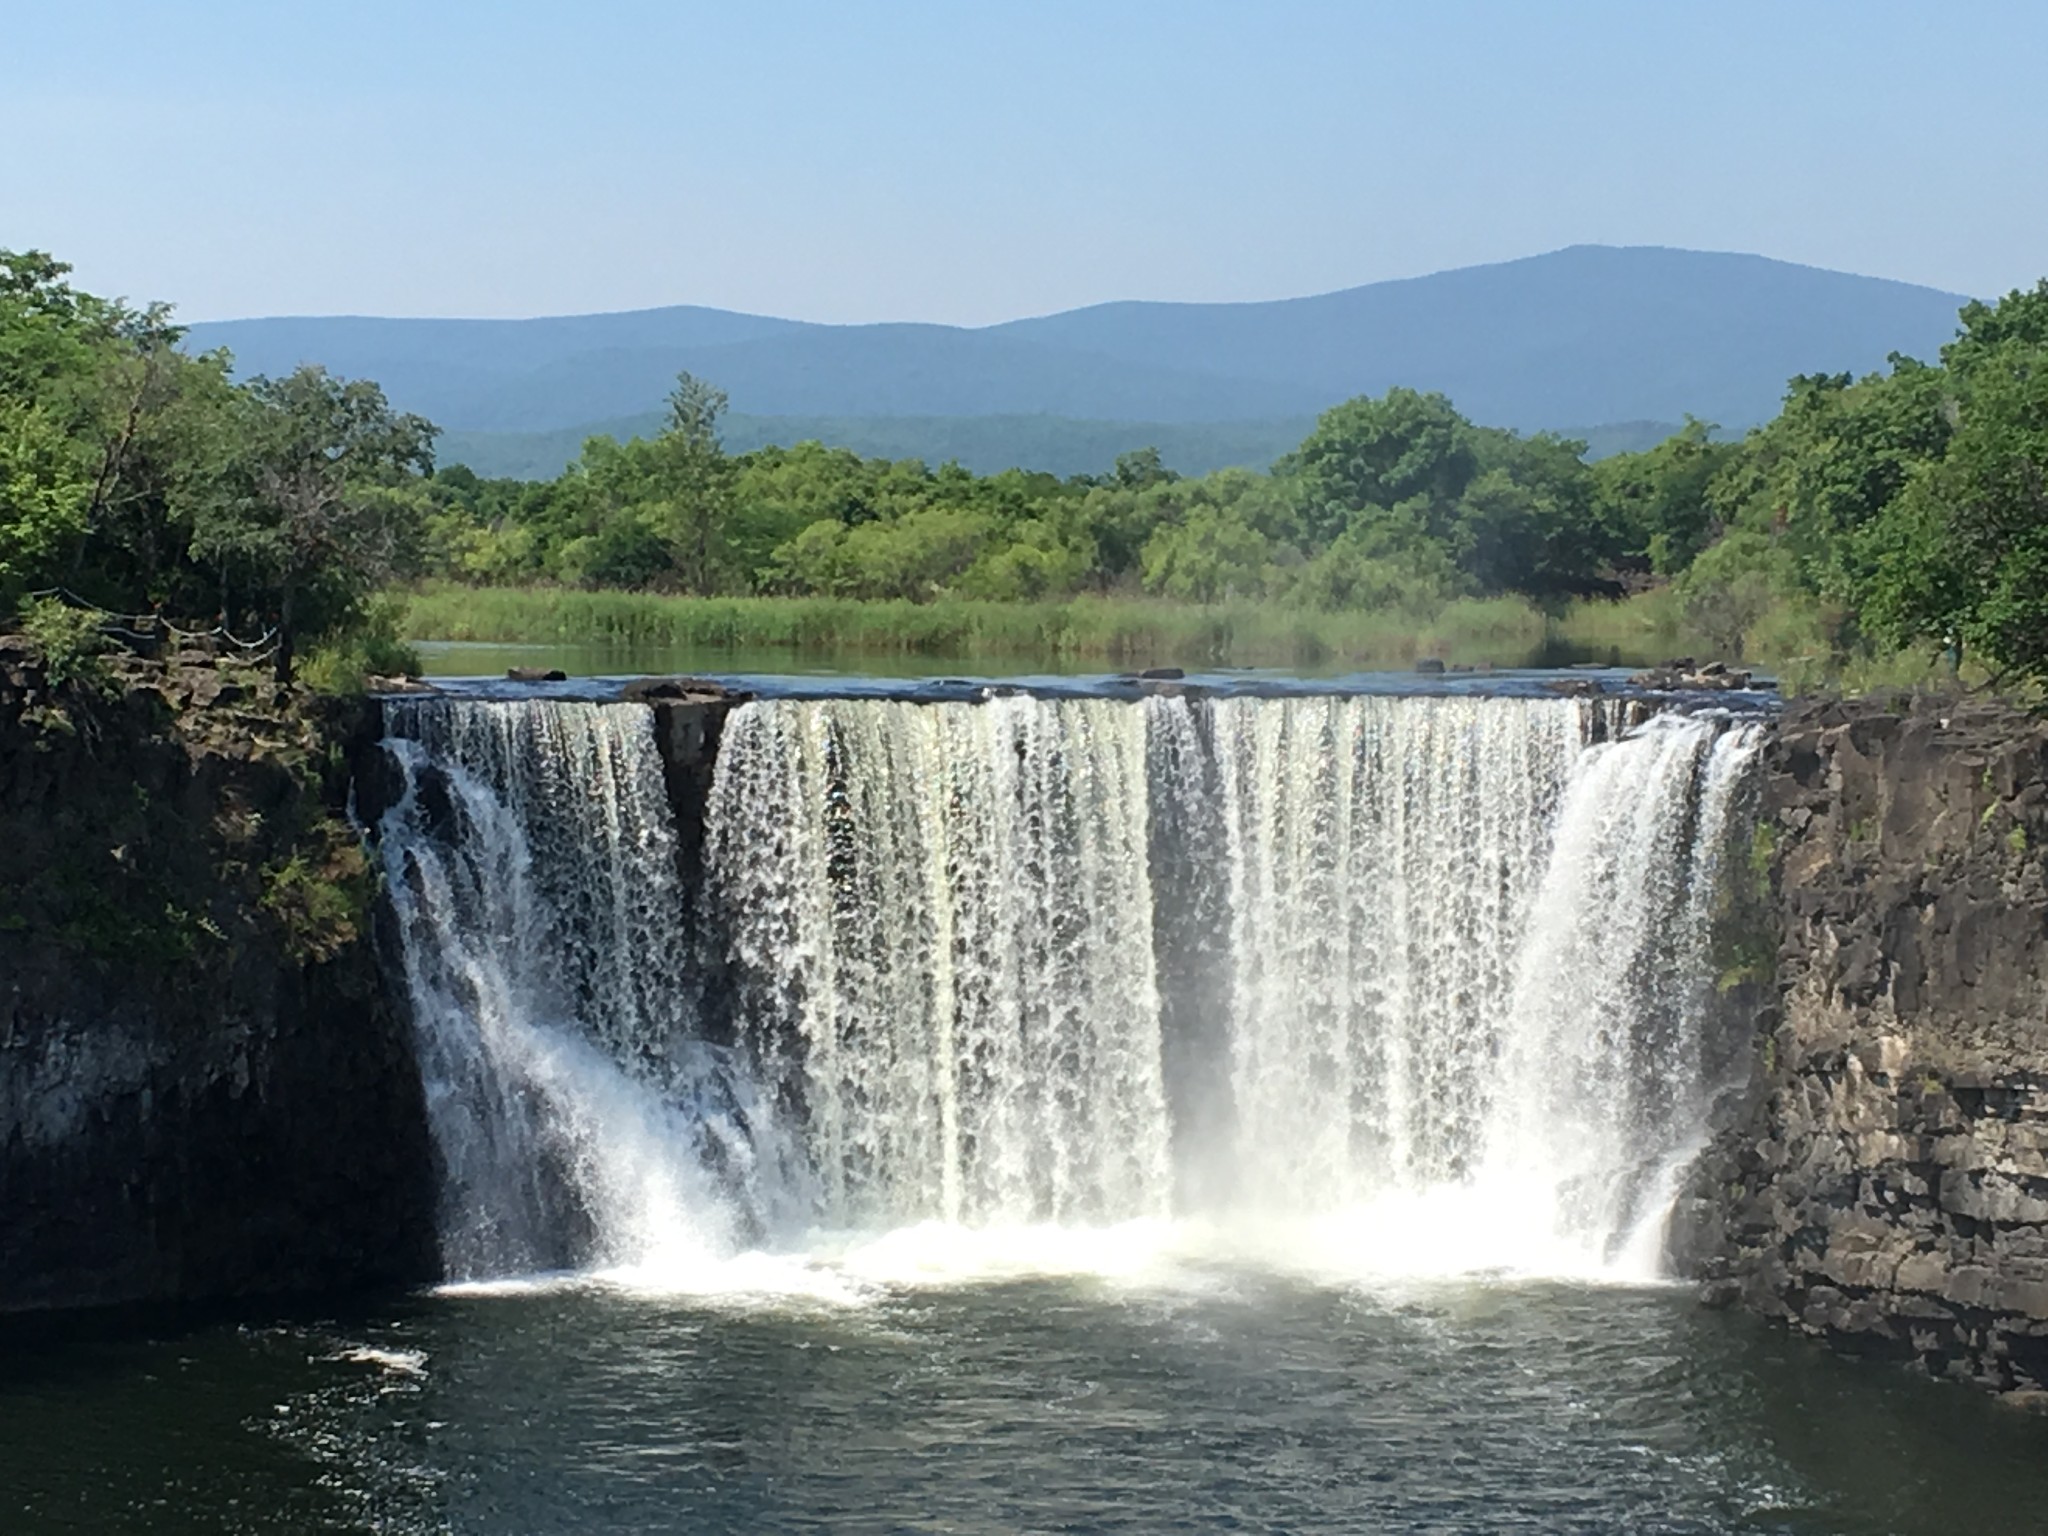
(1612, 682)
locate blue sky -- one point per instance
(974, 162)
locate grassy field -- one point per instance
(1799, 641)
(1127, 632)
(1793, 640)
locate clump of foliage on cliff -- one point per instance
(323, 906)
(140, 480)
(173, 812)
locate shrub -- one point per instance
(70, 640)
(372, 646)
(322, 908)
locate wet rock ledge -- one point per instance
(1883, 1182)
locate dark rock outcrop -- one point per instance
(680, 690)
(1682, 676)
(204, 1089)
(689, 718)
(1884, 1181)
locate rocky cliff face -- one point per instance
(1884, 1181)
(204, 1089)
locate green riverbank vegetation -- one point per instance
(1115, 629)
(1879, 529)
(146, 487)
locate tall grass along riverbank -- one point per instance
(1796, 641)
(1117, 631)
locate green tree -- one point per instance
(1403, 447)
(693, 482)
(2019, 319)
(1215, 553)
(1831, 461)
(105, 426)
(1657, 504)
(45, 491)
(50, 344)
(918, 556)
(1139, 469)
(1960, 559)
(309, 516)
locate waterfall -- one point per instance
(941, 919)
(1382, 853)
(1612, 985)
(1468, 945)
(531, 862)
(1354, 962)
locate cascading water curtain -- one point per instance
(940, 928)
(1382, 853)
(531, 862)
(1613, 986)
(1468, 945)
(1061, 960)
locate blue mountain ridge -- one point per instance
(1581, 336)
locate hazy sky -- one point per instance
(970, 162)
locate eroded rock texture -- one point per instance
(204, 1088)
(1884, 1182)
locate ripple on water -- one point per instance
(1213, 1395)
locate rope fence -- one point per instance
(152, 628)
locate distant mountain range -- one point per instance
(1581, 339)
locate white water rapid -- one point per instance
(1386, 985)
(941, 918)
(531, 860)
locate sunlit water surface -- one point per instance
(907, 1385)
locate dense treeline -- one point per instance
(1393, 500)
(144, 481)
(1905, 509)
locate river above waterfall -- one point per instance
(475, 658)
(1193, 1394)
(462, 670)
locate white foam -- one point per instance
(395, 1362)
(1496, 1234)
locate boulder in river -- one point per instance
(679, 690)
(1680, 676)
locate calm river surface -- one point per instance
(470, 658)
(1219, 1398)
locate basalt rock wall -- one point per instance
(1883, 1182)
(204, 1087)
